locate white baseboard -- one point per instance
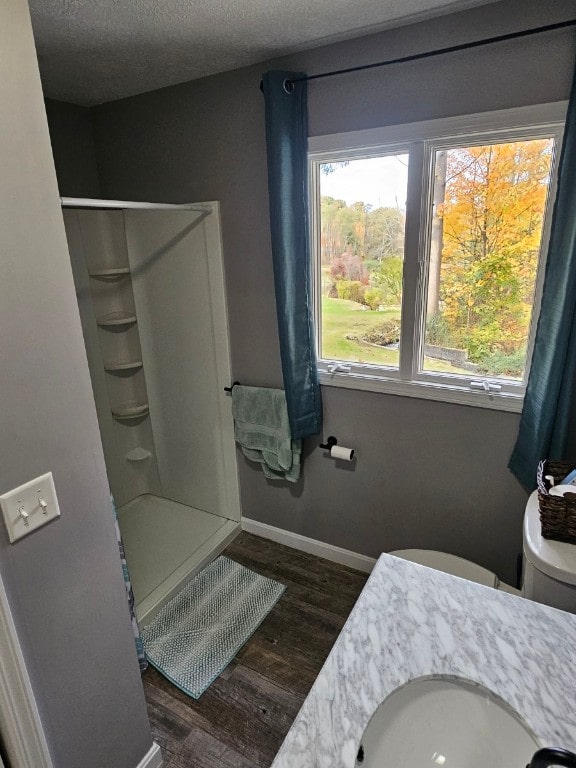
(152, 759)
(310, 546)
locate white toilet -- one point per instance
(549, 566)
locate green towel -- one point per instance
(262, 430)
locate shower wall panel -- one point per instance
(176, 269)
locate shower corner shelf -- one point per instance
(113, 319)
(128, 411)
(138, 454)
(109, 273)
(117, 366)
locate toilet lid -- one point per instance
(554, 558)
(442, 561)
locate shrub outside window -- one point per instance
(429, 244)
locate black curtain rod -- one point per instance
(438, 51)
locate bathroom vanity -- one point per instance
(411, 623)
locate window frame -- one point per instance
(421, 141)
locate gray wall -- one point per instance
(64, 582)
(205, 140)
(73, 148)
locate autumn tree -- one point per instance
(372, 234)
(384, 234)
(331, 235)
(491, 219)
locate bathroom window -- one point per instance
(429, 245)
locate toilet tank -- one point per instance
(544, 589)
(549, 566)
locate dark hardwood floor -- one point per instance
(241, 720)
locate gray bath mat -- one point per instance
(195, 635)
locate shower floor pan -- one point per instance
(166, 544)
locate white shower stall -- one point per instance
(151, 293)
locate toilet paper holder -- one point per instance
(330, 443)
(336, 451)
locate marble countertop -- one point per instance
(412, 622)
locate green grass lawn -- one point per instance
(341, 318)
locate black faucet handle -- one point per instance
(545, 758)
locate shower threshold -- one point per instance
(166, 544)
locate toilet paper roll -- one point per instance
(340, 452)
(560, 490)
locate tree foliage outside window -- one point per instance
(359, 243)
(491, 218)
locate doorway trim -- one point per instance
(20, 724)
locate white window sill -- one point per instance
(446, 393)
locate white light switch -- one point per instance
(29, 506)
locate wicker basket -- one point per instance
(557, 513)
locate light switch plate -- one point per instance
(30, 506)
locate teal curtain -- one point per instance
(286, 142)
(549, 399)
(130, 595)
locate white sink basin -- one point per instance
(445, 722)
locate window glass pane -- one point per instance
(363, 204)
(487, 217)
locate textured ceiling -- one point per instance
(93, 51)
